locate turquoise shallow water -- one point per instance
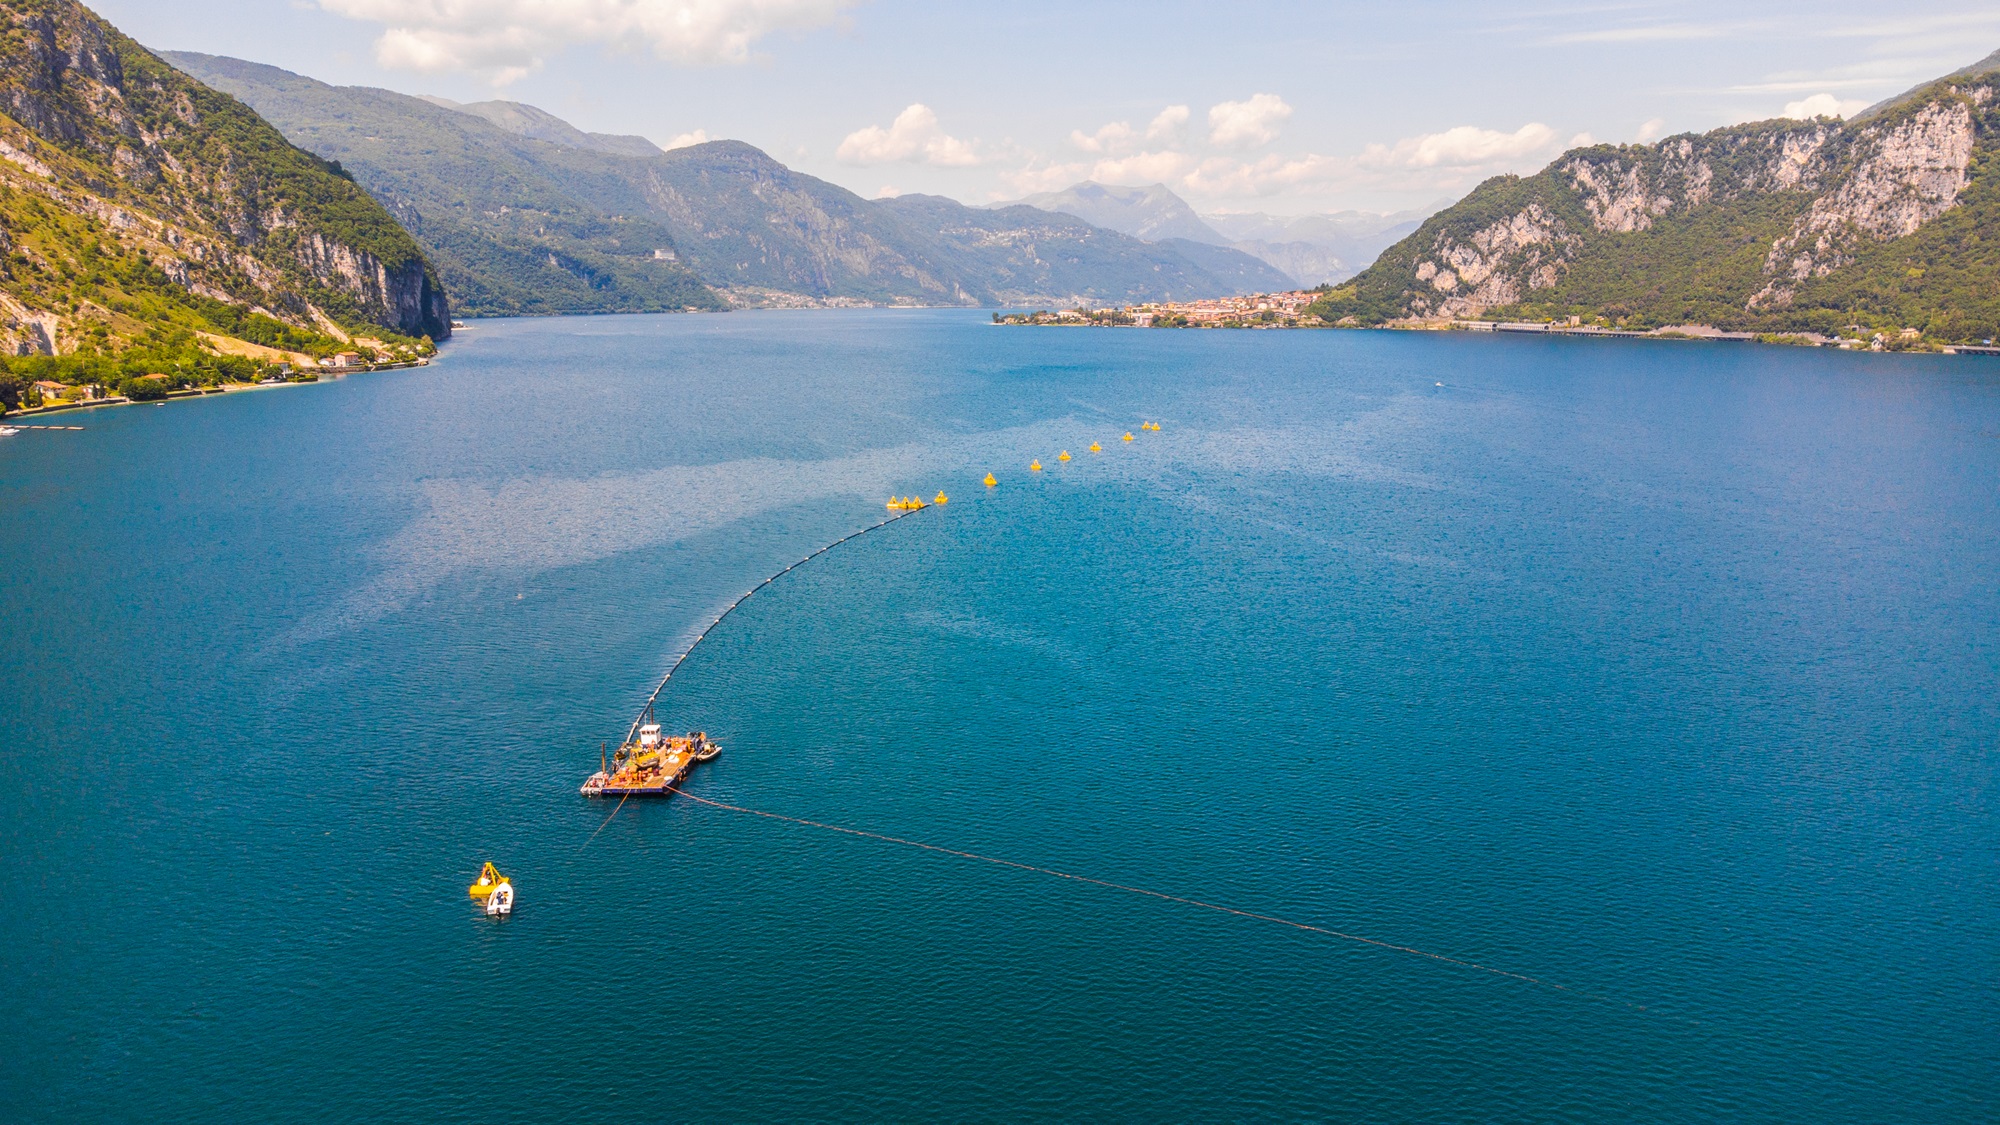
(1660, 673)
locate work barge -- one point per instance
(649, 764)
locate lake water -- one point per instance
(1663, 674)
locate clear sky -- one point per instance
(1286, 109)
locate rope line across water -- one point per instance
(1217, 907)
(1117, 887)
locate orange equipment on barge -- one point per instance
(647, 763)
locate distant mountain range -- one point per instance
(1887, 221)
(524, 213)
(1152, 213)
(1311, 249)
(139, 207)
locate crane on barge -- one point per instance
(649, 764)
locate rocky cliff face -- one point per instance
(129, 191)
(1901, 176)
(1777, 224)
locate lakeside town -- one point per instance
(1294, 309)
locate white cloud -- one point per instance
(915, 137)
(1168, 124)
(1822, 105)
(1247, 124)
(698, 137)
(1167, 127)
(1039, 175)
(1115, 137)
(1651, 131)
(1142, 168)
(1433, 164)
(509, 38)
(1646, 33)
(1227, 176)
(1463, 147)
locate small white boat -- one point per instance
(8, 431)
(500, 901)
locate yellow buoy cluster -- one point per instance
(1035, 466)
(912, 503)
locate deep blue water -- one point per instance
(1662, 673)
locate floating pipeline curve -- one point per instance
(731, 608)
(710, 627)
(1162, 895)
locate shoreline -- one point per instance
(11, 416)
(1683, 333)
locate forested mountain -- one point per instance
(517, 224)
(140, 209)
(527, 121)
(747, 221)
(1889, 221)
(524, 213)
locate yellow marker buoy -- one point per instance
(893, 503)
(489, 878)
(1034, 466)
(1155, 427)
(1063, 456)
(1127, 437)
(941, 498)
(1096, 448)
(990, 482)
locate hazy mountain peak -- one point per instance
(1988, 65)
(1152, 213)
(524, 120)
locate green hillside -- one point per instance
(518, 226)
(1887, 222)
(148, 221)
